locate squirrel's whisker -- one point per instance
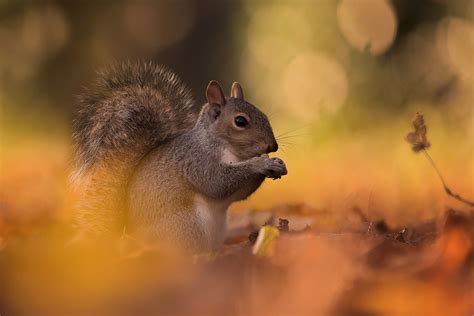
(291, 136)
(293, 130)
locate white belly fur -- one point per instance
(228, 157)
(212, 216)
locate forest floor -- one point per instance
(275, 262)
(291, 258)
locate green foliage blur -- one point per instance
(50, 49)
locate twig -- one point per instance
(368, 211)
(445, 186)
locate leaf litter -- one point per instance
(286, 260)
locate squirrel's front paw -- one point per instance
(273, 168)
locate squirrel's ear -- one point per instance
(214, 93)
(236, 91)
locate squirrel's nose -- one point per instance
(272, 148)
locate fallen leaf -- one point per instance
(265, 237)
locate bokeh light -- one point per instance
(368, 25)
(288, 60)
(275, 34)
(456, 43)
(314, 83)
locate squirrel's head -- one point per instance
(244, 129)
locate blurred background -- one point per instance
(340, 80)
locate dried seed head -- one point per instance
(417, 138)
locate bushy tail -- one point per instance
(130, 110)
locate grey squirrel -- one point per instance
(149, 158)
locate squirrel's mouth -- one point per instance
(261, 152)
(245, 153)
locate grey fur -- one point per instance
(145, 152)
(130, 99)
(171, 175)
(131, 109)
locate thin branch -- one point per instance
(445, 186)
(427, 155)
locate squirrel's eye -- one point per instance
(241, 121)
